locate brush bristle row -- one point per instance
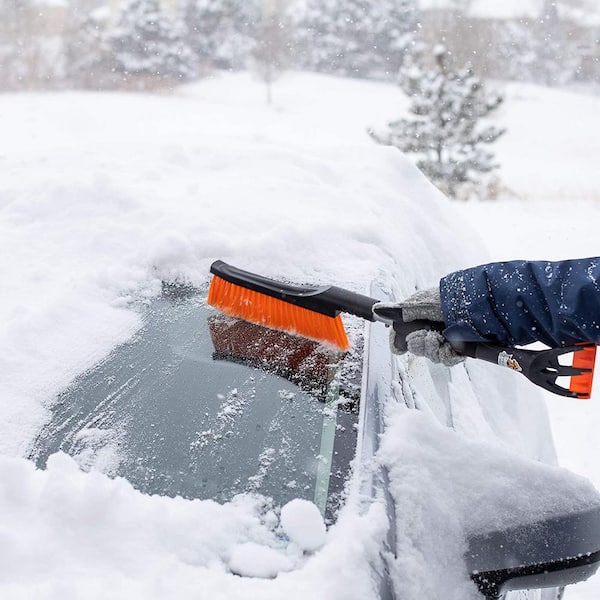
(238, 301)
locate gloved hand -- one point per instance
(430, 344)
(424, 305)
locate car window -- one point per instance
(201, 405)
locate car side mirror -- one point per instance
(548, 553)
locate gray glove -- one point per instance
(423, 305)
(430, 344)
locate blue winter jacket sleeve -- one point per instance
(519, 302)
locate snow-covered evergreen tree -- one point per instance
(445, 131)
(149, 43)
(361, 38)
(222, 32)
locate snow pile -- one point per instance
(69, 534)
(103, 197)
(453, 488)
(302, 523)
(253, 560)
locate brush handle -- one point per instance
(328, 300)
(542, 367)
(349, 302)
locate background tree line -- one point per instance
(152, 43)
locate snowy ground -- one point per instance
(551, 149)
(102, 196)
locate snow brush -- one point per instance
(314, 313)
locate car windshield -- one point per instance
(204, 406)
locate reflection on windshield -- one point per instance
(299, 360)
(163, 413)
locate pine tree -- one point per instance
(222, 32)
(149, 44)
(445, 132)
(360, 38)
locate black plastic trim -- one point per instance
(492, 584)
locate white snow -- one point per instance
(104, 195)
(446, 486)
(550, 152)
(302, 522)
(70, 534)
(253, 560)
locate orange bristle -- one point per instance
(240, 302)
(582, 384)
